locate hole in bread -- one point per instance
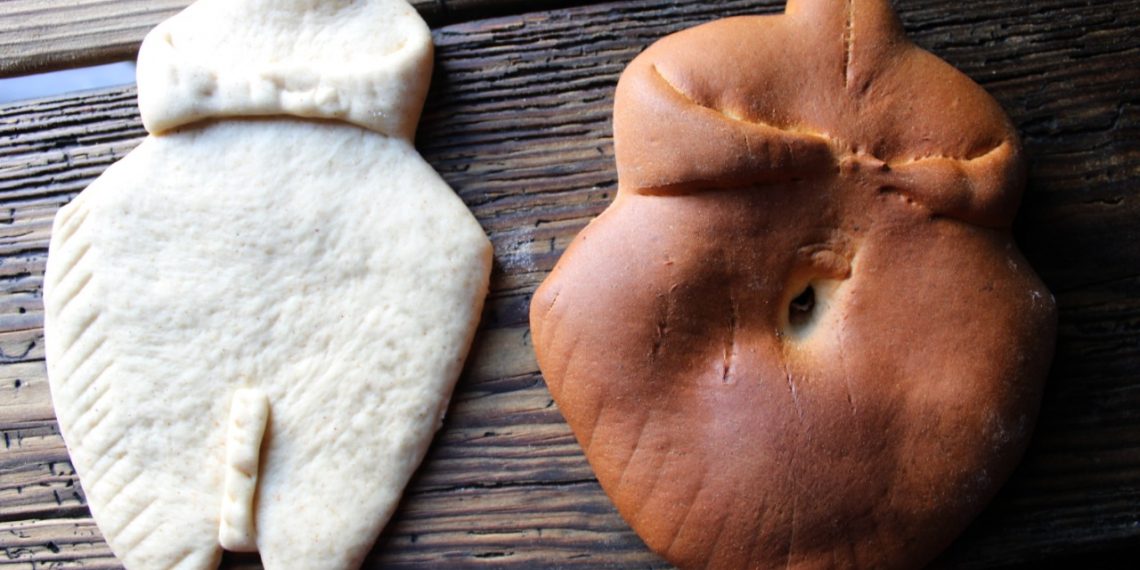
(802, 308)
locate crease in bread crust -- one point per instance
(842, 153)
(808, 282)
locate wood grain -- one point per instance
(518, 123)
(45, 35)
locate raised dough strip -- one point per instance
(249, 413)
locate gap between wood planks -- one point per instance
(37, 36)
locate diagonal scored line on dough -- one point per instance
(721, 524)
(116, 485)
(184, 558)
(637, 447)
(88, 380)
(149, 535)
(75, 255)
(71, 224)
(74, 291)
(111, 440)
(84, 357)
(118, 462)
(103, 465)
(132, 521)
(89, 323)
(90, 411)
(690, 508)
(658, 475)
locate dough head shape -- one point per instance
(802, 335)
(364, 62)
(254, 321)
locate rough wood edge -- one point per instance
(37, 36)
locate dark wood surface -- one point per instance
(518, 122)
(45, 35)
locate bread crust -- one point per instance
(737, 421)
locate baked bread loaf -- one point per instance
(802, 335)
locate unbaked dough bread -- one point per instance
(254, 321)
(802, 335)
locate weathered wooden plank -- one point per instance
(518, 123)
(45, 35)
(58, 543)
(38, 480)
(485, 531)
(24, 395)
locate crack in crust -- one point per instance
(848, 42)
(734, 117)
(968, 196)
(833, 142)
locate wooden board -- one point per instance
(518, 123)
(44, 35)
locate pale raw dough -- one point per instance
(366, 62)
(254, 326)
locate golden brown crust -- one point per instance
(739, 422)
(761, 99)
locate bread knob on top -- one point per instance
(802, 334)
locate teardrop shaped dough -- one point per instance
(254, 325)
